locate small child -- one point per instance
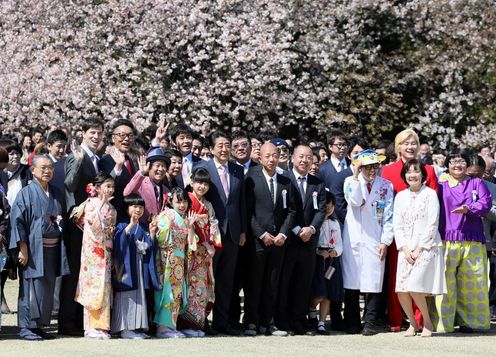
(134, 271)
(94, 289)
(327, 282)
(175, 235)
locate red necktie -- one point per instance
(129, 167)
(369, 186)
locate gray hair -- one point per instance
(39, 157)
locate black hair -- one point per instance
(415, 163)
(142, 142)
(133, 199)
(212, 138)
(172, 152)
(92, 123)
(477, 161)
(457, 153)
(179, 129)
(383, 144)
(56, 135)
(357, 140)
(330, 198)
(101, 177)
(200, 175)
(4, 156)
(10, 145)
(255, 136)
(240, 134)
(38, 130)
(316, 150)
(333, 135)
(120, 122)
(180, 195)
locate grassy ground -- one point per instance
(386, 344)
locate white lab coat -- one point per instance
(368, 223)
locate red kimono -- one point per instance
(395, 315)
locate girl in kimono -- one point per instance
(368, 231)
(133, 271)
(327, 284)
(420, 269)
(94, 290)
(200, 270)
(175, 234)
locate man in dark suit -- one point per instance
(299, 261)
(81, 166)
(271, 213)
(338, 147)
(227, 196)
(118, 163)
(241, 154)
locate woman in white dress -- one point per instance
(420, 259)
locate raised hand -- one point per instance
(118, 157)
(153, 226)
(191, 218)
(144, 166)
(77, 151)
(161, 132)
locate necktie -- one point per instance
(185, 171)
(159, 197)
(341, 166)
(129, 167)
(94, 160)
(301, 186)
(369, 186)
(224, 180)
(271, 187)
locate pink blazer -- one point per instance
(144, 187)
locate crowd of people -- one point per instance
(139, 235)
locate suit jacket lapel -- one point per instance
(308, 192)
(279, 190)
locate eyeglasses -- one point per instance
(458, 162)
(45, 168)
(370, 167)
(256, 145)
(240, 145)
(340, 145)
(123, 136)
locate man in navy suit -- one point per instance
(118, 163)
(227, 196)
(299, 261)
(338, 147)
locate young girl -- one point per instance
(175, 234)
(327, 282)
(200, 274)
(134, 271)
(94, 290)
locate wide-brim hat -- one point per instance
(368, 157)
(157, 154)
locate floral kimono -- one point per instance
(199, 269)
(94, 290)
(172, 239)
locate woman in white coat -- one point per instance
(420, 269)
(368, 231)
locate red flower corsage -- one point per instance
(99, 251)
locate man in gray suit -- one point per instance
(81, 166)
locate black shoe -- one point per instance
(370, 329)
(209, 331)
(299, 330)
(353, 330)
(465, 329)
(228, 331)
(312, 323)
(70, 331)
(338, 326)
(44, 335)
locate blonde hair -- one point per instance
(401, 137)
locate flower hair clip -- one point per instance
(91, 190)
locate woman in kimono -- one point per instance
(420, 259)
(200, 269)
(94, 289)
(175, 234)
(133, 271)
(464, 201)
(368, 231)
